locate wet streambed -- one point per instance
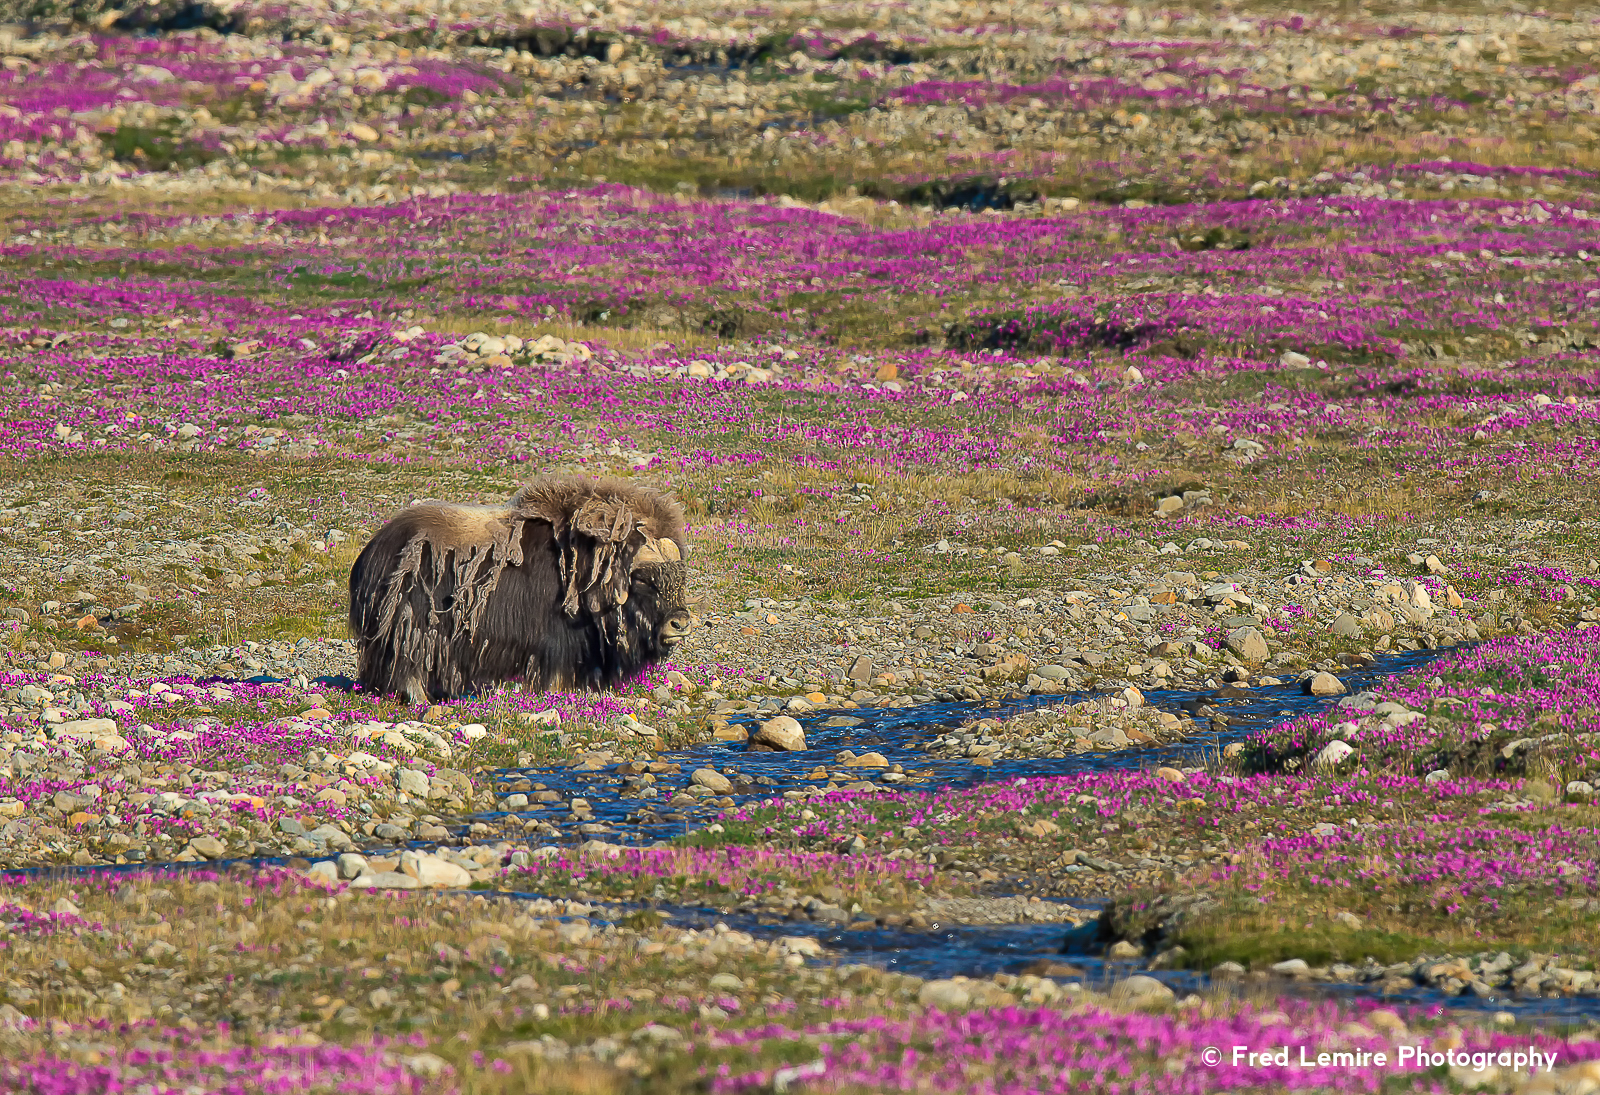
(948, 950)
(899, 733)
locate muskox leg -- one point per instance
(412, 690)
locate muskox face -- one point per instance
(658, 604)
(657, 598)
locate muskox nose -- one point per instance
(676, 627)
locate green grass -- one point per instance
(829, 105)
(327, 624)
(1257, 946)
(300, 957)
(155, 148)
(1298, 924)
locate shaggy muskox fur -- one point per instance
(574, 583)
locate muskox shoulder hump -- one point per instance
(554, 497)
(446, 526)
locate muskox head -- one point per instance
(657, 600)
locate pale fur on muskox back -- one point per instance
(427, 622)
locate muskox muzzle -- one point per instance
(576, 583)
(675, 627)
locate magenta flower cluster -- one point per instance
(1017, 1050)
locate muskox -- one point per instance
(573, 583)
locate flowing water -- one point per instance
(983, 950)
(899, 733)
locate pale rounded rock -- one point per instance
(1332, 754)
(711, 780)
(209, 847)
(1142, 991)
(1248, 643)
(782, 733)
(944, 995)
(1419, 596)
(324, 872)
(1325, 684)
(434, 873)
(385, 880)
(91, 733)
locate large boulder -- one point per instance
(712, 780)
(1249, 644)
(781, 734)
(385, 880)
(1324, 684)
(1332, 755)
(91, 734)
(1140, 991)
(431, 872)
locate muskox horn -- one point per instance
(669, 550)
(650, 553)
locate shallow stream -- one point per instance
(983, 950)
(899, 733)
